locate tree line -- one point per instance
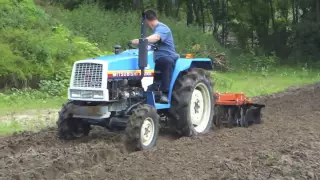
(289, 29)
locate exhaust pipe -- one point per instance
(143, 46)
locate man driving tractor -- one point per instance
(166, 55)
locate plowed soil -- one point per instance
(285, 146)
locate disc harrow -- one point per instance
(235, 110)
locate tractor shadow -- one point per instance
(168, 134)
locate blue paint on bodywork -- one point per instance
(181, 65)
(151, 101)
(128, 60)
(150, 98)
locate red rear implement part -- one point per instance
(234, 109)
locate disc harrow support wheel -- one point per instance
(193, 103)
(70, 128)
(142, 129)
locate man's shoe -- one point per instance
(164, 99)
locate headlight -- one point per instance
(86, 94)
(98, 94)
(75, 93)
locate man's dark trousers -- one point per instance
(166, 66)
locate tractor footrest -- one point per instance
(157, 95)
(154, 87)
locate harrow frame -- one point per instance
(236, 110)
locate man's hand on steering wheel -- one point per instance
(136, 42)
(130, 45)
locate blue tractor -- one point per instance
(121, 93)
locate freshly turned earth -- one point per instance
(285, 146)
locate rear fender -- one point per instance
(181, 65)
(184, 64)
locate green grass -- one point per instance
(20, 103)
(32, 122)
(27, 104)
(8, 127)
(263, 83)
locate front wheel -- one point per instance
(142, 128)
(70, 128)
(193, 103)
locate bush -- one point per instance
(108, 28)
(34, 46)
(58, 85)
(251, 62)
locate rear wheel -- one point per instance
(71, 128)
(193, 103)
(142, 129)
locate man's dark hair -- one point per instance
(150, 15)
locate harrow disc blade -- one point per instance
(226, 116)
(243, 120)
(253, 114)
(220, 115)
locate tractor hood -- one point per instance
(127, 60)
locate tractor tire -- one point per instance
(142, 129)
(192, 103)
(70, 128)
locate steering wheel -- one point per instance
(153, 46)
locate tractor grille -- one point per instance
(88, 75)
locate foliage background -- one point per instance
(34, 46)
(39, 40)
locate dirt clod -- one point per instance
(285, 146)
